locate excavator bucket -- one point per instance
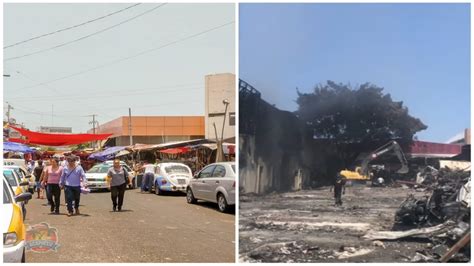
(403, 170)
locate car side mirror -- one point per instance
(24, 183)
(23, 197)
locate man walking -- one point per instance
(339, 189)
(38, 172)
(71, 179)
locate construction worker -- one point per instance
(339, 189)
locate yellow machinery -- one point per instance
(362, 172)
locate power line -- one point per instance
(132, 56)
(84, 37)
(71, 27)
(69, 98)
(110, 92)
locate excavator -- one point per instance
(363, 173)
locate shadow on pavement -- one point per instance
(214, 207)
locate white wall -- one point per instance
(218, 88)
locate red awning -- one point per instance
(58, 139)
(18, 140)
(175, 150)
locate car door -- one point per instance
(200, 185)
(215, 181)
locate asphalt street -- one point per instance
(150, 228)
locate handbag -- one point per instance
(127, 179)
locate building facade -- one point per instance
(61, 130)
(152, 129)
(220, 88)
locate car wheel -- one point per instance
(222, 203)
(190, 196)
(23, 257)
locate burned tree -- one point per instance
(355, 120)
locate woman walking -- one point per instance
(118, 177)
(52, 175)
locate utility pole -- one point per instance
(9, 108)
(93, 122)
(130, 125)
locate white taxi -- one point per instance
(14, 231)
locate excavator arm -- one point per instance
(362, 172)
(390, 146)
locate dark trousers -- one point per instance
(118, 192)
(147, 181)
(338, 195)
(53, 196)
(48, 195)
(73, 194)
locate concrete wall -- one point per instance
(125, 140)
(270, 158)
(155, 126)
(218, 88)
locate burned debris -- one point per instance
(414, 212)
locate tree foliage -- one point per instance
(363, 116)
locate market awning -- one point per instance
(58, 139)
(16, 147)
(168, 145)
(228, 148)
(106, 154)
(175, 150)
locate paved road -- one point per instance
(150, 228)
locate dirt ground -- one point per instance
(306, 226)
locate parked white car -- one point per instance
(171, 177)
(24, 175)
(214, 183)
(96, 177)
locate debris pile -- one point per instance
(449, 200)
(442, 217)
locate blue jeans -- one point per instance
(73, 194)
(147, 181)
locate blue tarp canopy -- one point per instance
(106, 154)
(16, 147)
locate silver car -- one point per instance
(214, 183)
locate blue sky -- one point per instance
(420, 54)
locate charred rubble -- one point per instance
(447, 206)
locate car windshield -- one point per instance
(6, 194)
(10, 176)
(177, 169)
(18, 172)
(99, 169)
(233, 168)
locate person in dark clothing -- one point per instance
(118, 177)
(37, 172)
(339, 189)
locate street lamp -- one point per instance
(226, 103)
(220, 146)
